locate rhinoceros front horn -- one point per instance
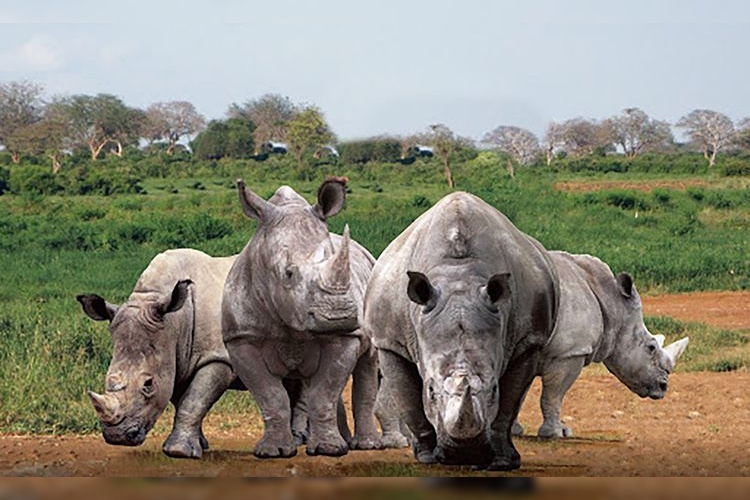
(106, 407)
(675, 350)
(336, 273)
(463, 422)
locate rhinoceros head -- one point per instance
(140, 377)
(304, 278)
(639, 359)
(461, 321)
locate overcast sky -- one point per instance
(393, 66)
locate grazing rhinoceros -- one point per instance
(291, 310)
(460, 305)
(167, 346)
(600, 320)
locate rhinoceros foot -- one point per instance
(366, 443)
(394, 439)
(300, 437)
(182, 446)
(332, 447)
(551, 431)
(505, 463)
(517, 429)
(271, 448)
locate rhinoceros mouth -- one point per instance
(133, 436)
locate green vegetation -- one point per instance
(94, 226)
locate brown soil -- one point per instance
(647, 185)
(701, 428)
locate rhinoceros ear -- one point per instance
(421, 291)
(253, 205)
(498, 287)
(176, 299)
(96, 307)
(625, 284)
(331, 196)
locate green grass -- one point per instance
(55, 247)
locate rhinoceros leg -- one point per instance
(338, 357)
(557, 377)
(394, 429)
(364, 393)
(272, 398)
(402, 381)
(186, 439)
(514, 384)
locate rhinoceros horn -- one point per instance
(106, 406)
(659, 339)
(675, 350)
(336, 275)
(463, 422)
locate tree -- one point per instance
(444, 143)
(232, 138)
(554, 140)
(21, 105)
(708, 130)
(171, 121)
(582, 136)
(270, 114)
(742, 139)
(43, 137)
(306, 132)
(635, 132)
(95, 121)
(518, 143)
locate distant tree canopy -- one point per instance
(232, 138)
(95, 125)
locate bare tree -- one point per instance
(635, 132)
(271, 114)
(554, 140)
(581, 136)
(742, 139)
(171, 121)
(709, 130)
(21, 105)
(518, 143)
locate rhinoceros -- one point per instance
(167, 346)
(459, 306)
(291, 310)
(600, 320)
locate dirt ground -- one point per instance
(701, 428)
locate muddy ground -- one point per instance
(702, 428)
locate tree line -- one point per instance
(34, 126)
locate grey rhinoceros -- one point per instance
(600, 320)
(291, 310)
(167, 346)
(459, 306)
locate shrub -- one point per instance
(33, 179)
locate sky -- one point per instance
(393, 66)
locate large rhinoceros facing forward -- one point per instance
(459, 306)
(167, 345)
(291, 310)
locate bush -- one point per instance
(35, 180)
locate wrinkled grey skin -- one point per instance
(167, 346)
(459, 306)
(291, 310)
(600, 320)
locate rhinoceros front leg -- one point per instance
(394, 430)
(186, 439)
(514, 384)
(557, 378)
(338, 357)
(364, 393)
(271, 396)
(403, 382)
